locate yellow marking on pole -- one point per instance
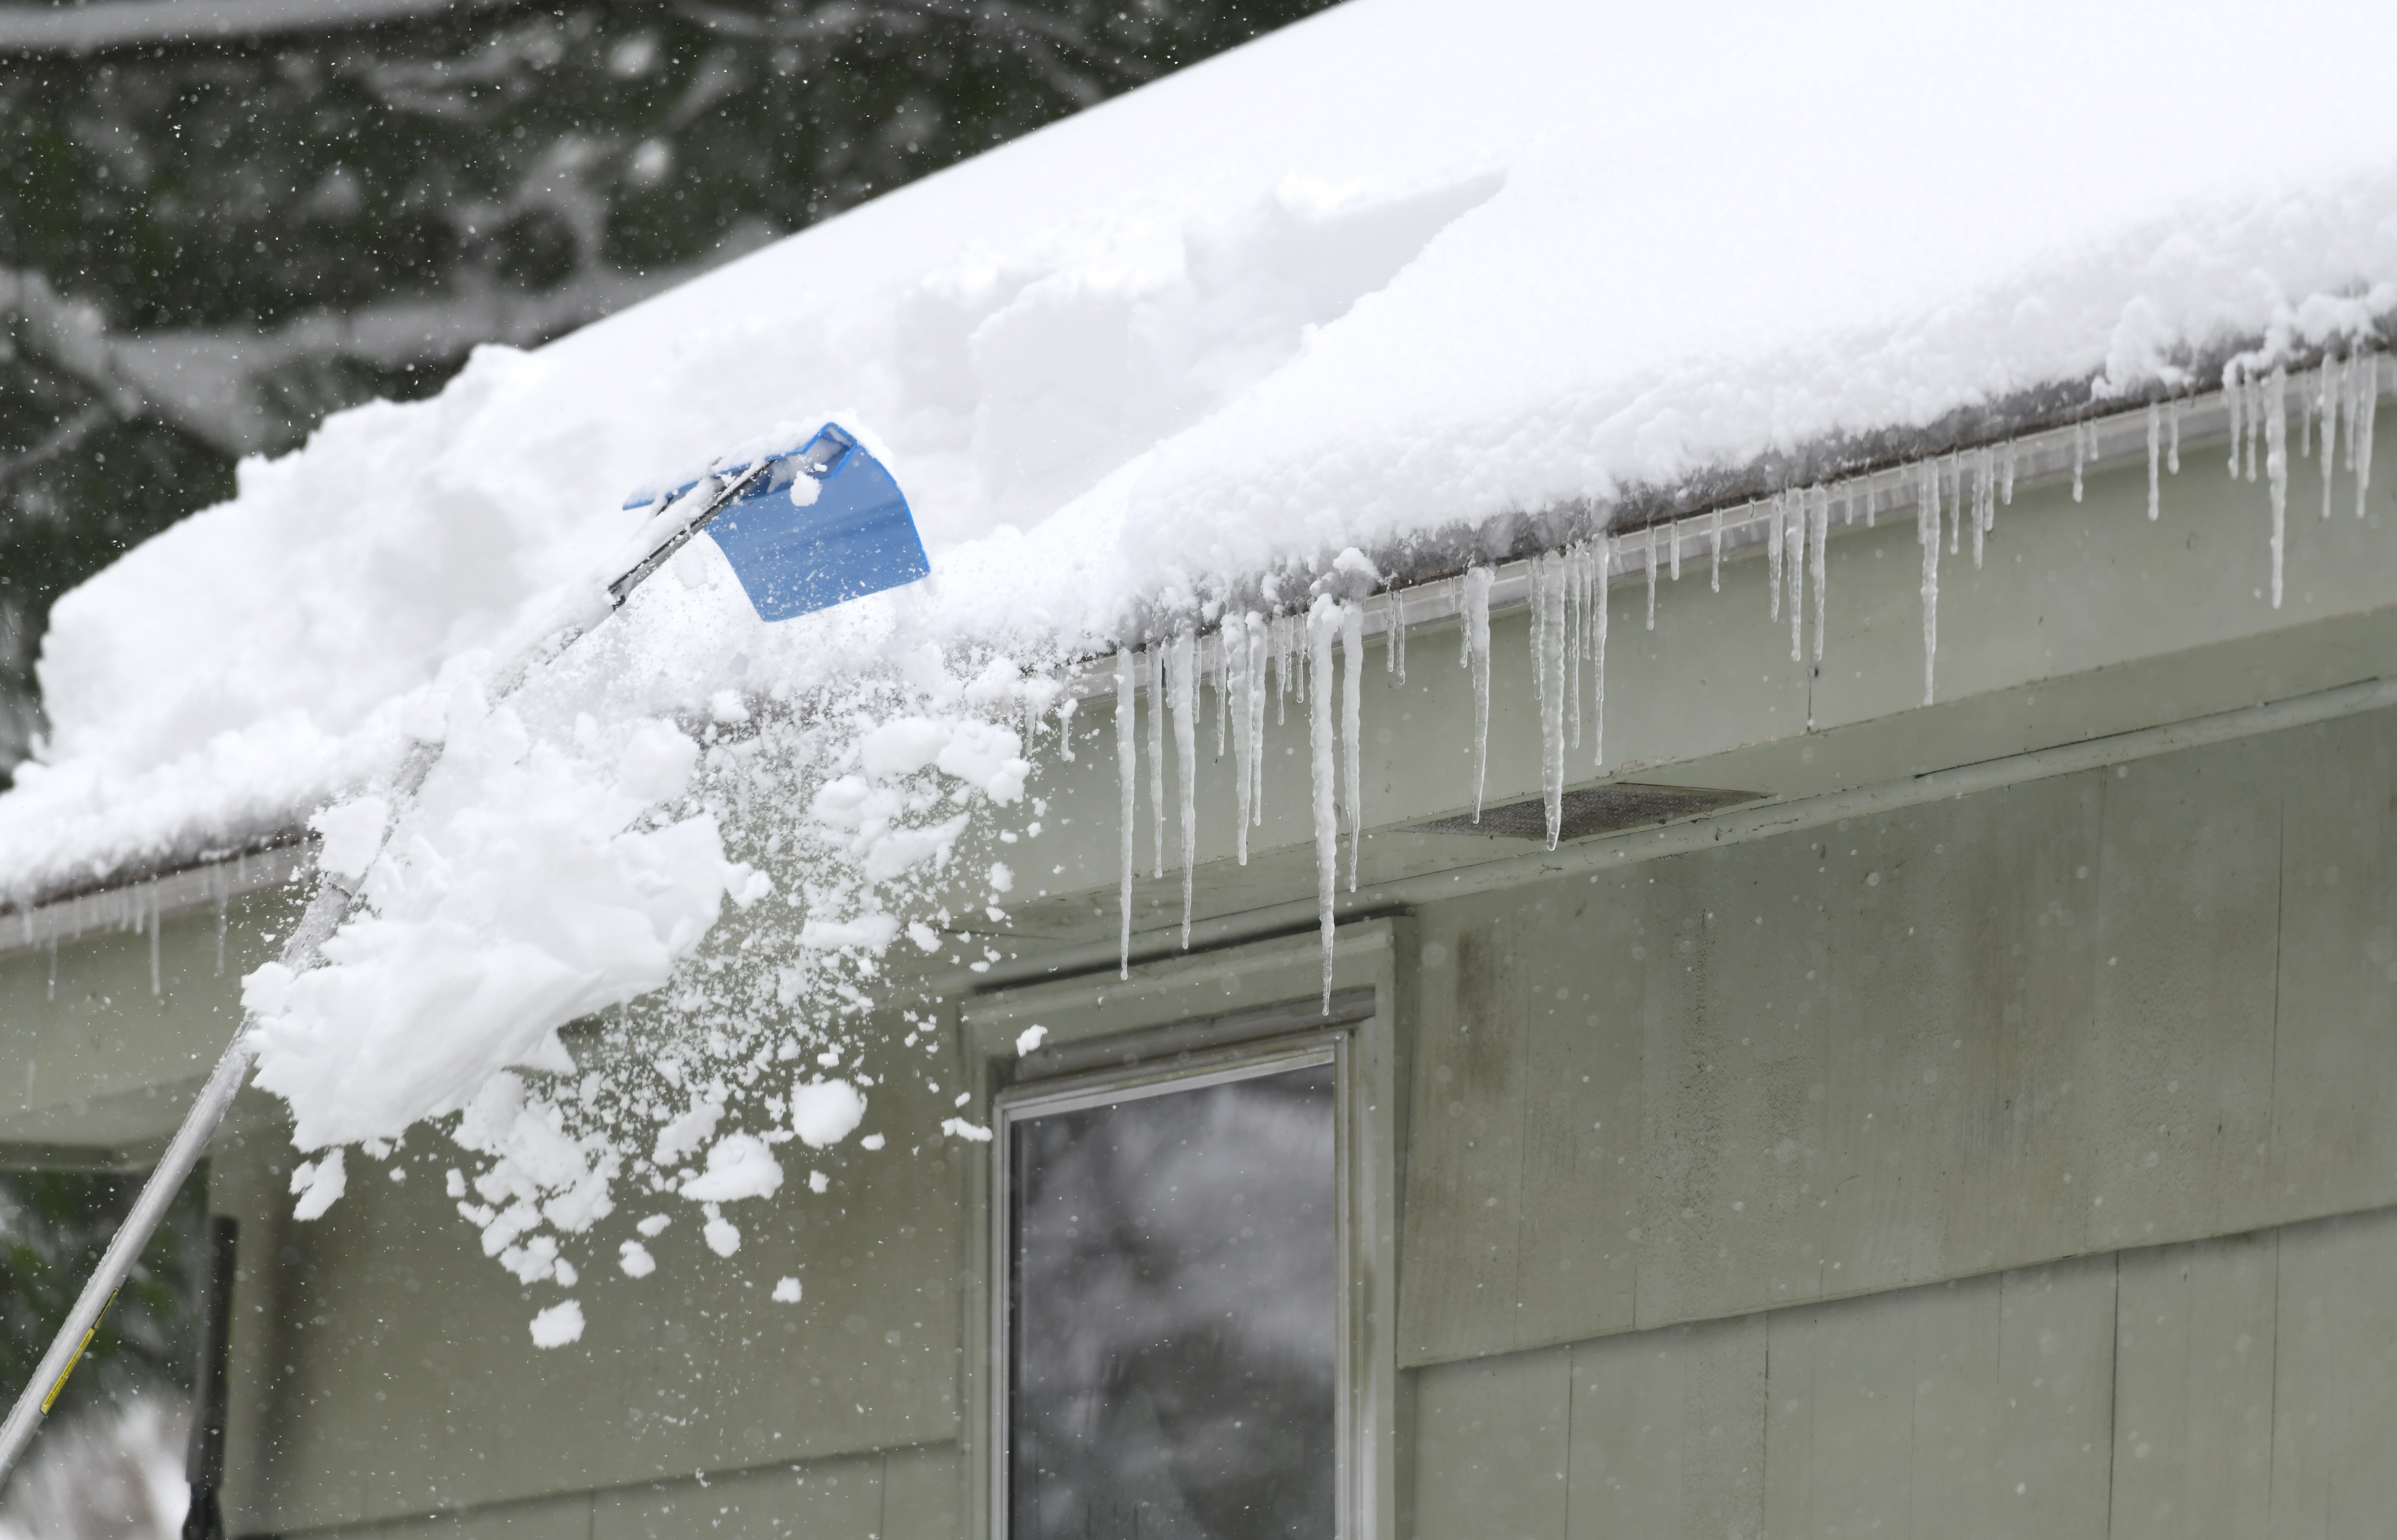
(51, 1400)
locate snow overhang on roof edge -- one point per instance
(2034, 435)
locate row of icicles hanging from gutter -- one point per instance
(1262, 662)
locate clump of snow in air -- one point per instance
(319, 1183)
(635, 1260)
(825, 1112)
(787, 1291)
(1029, 1039)
(737, 1166)
(557, 1325)
(1136, 397)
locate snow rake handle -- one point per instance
(301, 951)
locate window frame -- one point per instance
(1220, 1013)
(1149, 1077)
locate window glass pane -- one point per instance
(1174, 1315)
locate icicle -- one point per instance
(1321, 622)
(157, 984)
(53, 994)
(1794, 557)
(2234, 403)
(1548, 669)
(1183, 693)
(1955, 474)
(1714, 545)
(1235, 640)
(1261, 639)
(2079, 456)
(1128, 785)
(1221, 680)
(1651, 577)
(1577, 559)
(2172, 439)
(1397, 627)
(2155, 469)
(1600, 585)
(1872, 503)
(2252, 389)
(2358, 400)
(1476, 648)
(1539, 600)
(1156, 757)
(1352, 726)
(2276, 468)
(2326, 392)
(222, 907)
(1822, 538)
(1983, 505)
(2007, 477)
(1926, 532)
(1065, 726)
(1677, 550)
(1773, 551)
(2366, 380)
(1282, 645)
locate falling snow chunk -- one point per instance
(558, 1325)
(633, 1260)
(319, 1183)
(722, 1236)
(825, 1112)
(787, 1291)
(739, 1166)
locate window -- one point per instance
(1172, 1322)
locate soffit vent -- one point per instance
(1592, 810)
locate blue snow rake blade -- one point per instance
(812, 528)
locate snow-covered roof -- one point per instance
(1394, 269)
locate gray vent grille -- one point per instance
(1592, 810)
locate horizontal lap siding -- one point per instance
(2121, 1008)
(2239, 1389)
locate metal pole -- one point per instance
(326, 911)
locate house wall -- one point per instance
(1837, 1183)
(1834, 1182)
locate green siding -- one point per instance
(2239, 1388)
(1985, 1034)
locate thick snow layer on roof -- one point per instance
(1392, 268)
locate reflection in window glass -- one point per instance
(1173, 1318)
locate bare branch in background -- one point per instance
(1035, 36)
(214, 384)
(67, 437)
